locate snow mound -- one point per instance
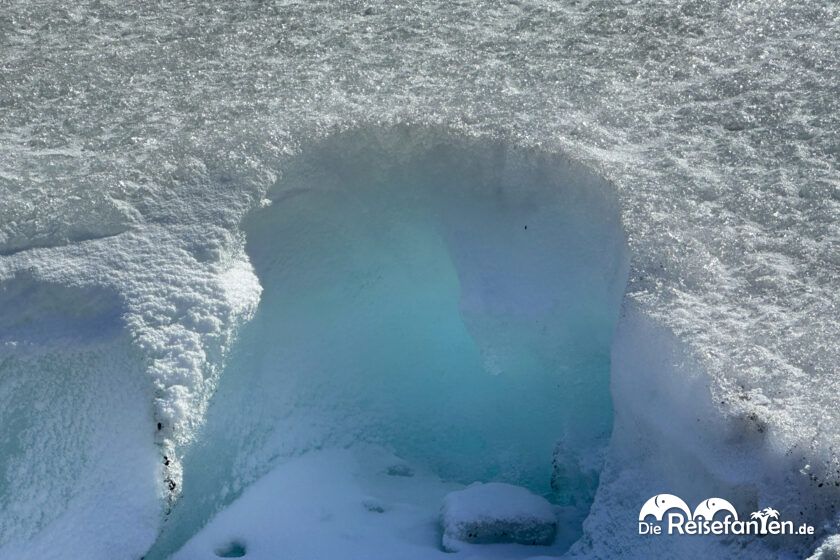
(79, 471)
(496, 513)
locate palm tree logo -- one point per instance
(764, 515)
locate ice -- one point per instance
(87, 467)
(139, 145)
(495, 513)
(453, 311)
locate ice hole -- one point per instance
(450, 299)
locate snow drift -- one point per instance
(435, 295)
(78, 462)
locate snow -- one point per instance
(137, 143)
(78, 472)
(828, 550)
(494, 513)
(343, 503)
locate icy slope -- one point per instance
(134, 140)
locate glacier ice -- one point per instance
(450, 299)
(135, 140)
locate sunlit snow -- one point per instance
(266, 286)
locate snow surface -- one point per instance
(494, 513)
(828, 550)
(341, 504)
(77, 452)
(135, 139)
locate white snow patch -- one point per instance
(494, 513)
(343, 503)
(828, 550)
(79, 471)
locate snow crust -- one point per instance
(77, 458)
(133, 141)
(828, 550)
(341, 504)
(494, 513)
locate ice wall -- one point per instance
(670, 433)
(104, 376)
(450, 299)
(79, 471)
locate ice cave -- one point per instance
(442, 302)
